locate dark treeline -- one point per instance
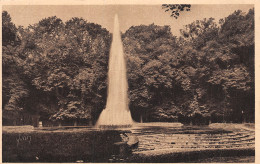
(58, 71)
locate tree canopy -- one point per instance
(206, 71)
(58, 70)
(175, 9)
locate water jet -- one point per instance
(116, 113)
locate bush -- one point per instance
(60, 145)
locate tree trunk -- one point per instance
(191, 123)
(35, 120)
(244, 119)
(82, 99)
(141, 118)
(59, 123)
(58, 95)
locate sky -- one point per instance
(129, 15)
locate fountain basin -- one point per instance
(172, 142)
(148, 142)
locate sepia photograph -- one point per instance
(128, 83)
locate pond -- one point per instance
(157, 142)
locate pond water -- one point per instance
(191, 137)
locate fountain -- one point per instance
(145, 142)
(116, 113)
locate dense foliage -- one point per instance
(59, 70)
(208, 71)
(175, 9)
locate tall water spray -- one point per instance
(116, 112)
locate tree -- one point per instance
(57, 69)
(14, 89)
(175, 9)
(148, 50)
(8, 30)
(205, 72)
(222, 71)
(200, 32)
(72, 63)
